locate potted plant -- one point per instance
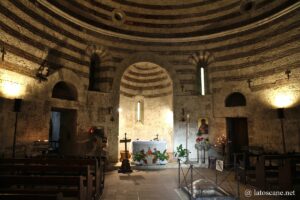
(139, 158)
(181, 153)
(162, 158)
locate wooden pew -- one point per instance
(244, 167)
(13, 196)
(289, 173)
(42, 183)
(276, 170)
(58, 166)
(48, 170)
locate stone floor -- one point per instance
(161, 183)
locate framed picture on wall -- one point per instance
(203, 126)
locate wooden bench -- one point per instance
(18, 184)
(277, 171)
(89, 168)
(244, 165)
(14, 196)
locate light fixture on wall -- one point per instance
(249, 81)
(17, 109)
(288, 73)
(280, 115)
(182, 87)
(182, 115)
(42, 72)
(3, 52)
(110, 111)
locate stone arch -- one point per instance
(98, 55)
(130, 60)
(202, 60)
(64, 90)
(67, 76)
(235, 99)
(143, 57)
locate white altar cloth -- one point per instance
(139, 145)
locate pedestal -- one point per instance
(125, 167)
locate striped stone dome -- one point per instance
(145, 79)
(164, 19)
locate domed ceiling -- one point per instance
(165, 19)
(145, 79)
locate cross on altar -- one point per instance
(125, 167)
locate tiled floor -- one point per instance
(141, 185)
(162, 184)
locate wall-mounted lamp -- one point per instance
(17, 109)
(42, 72)
(288, 73)
(182, 88)
(280, 115)
(3, 53)
(249, 81)
(182, 115)
(110, 111)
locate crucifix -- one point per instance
(3, 53)
(125, 167)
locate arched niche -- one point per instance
(235, 99)
(64, 90)
(94, 65)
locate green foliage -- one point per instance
(180, 151)
(138, 156)
(162, 156)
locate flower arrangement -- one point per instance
(202, 140)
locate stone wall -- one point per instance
(252, 54)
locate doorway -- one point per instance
(237, 134)
(63, 126)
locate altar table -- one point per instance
(139, 145)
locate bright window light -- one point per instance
(138, 111)
(202, 75)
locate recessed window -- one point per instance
(139, 111)
(202, 80)
(235, 99)
(94, 65)
(63, 90)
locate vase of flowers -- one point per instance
(149, 157)
(181, 153)
(202, 142)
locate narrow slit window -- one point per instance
(139, 111)
(202, 77)
(202, 81)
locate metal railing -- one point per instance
(189, 173)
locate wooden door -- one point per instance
(237, 134)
